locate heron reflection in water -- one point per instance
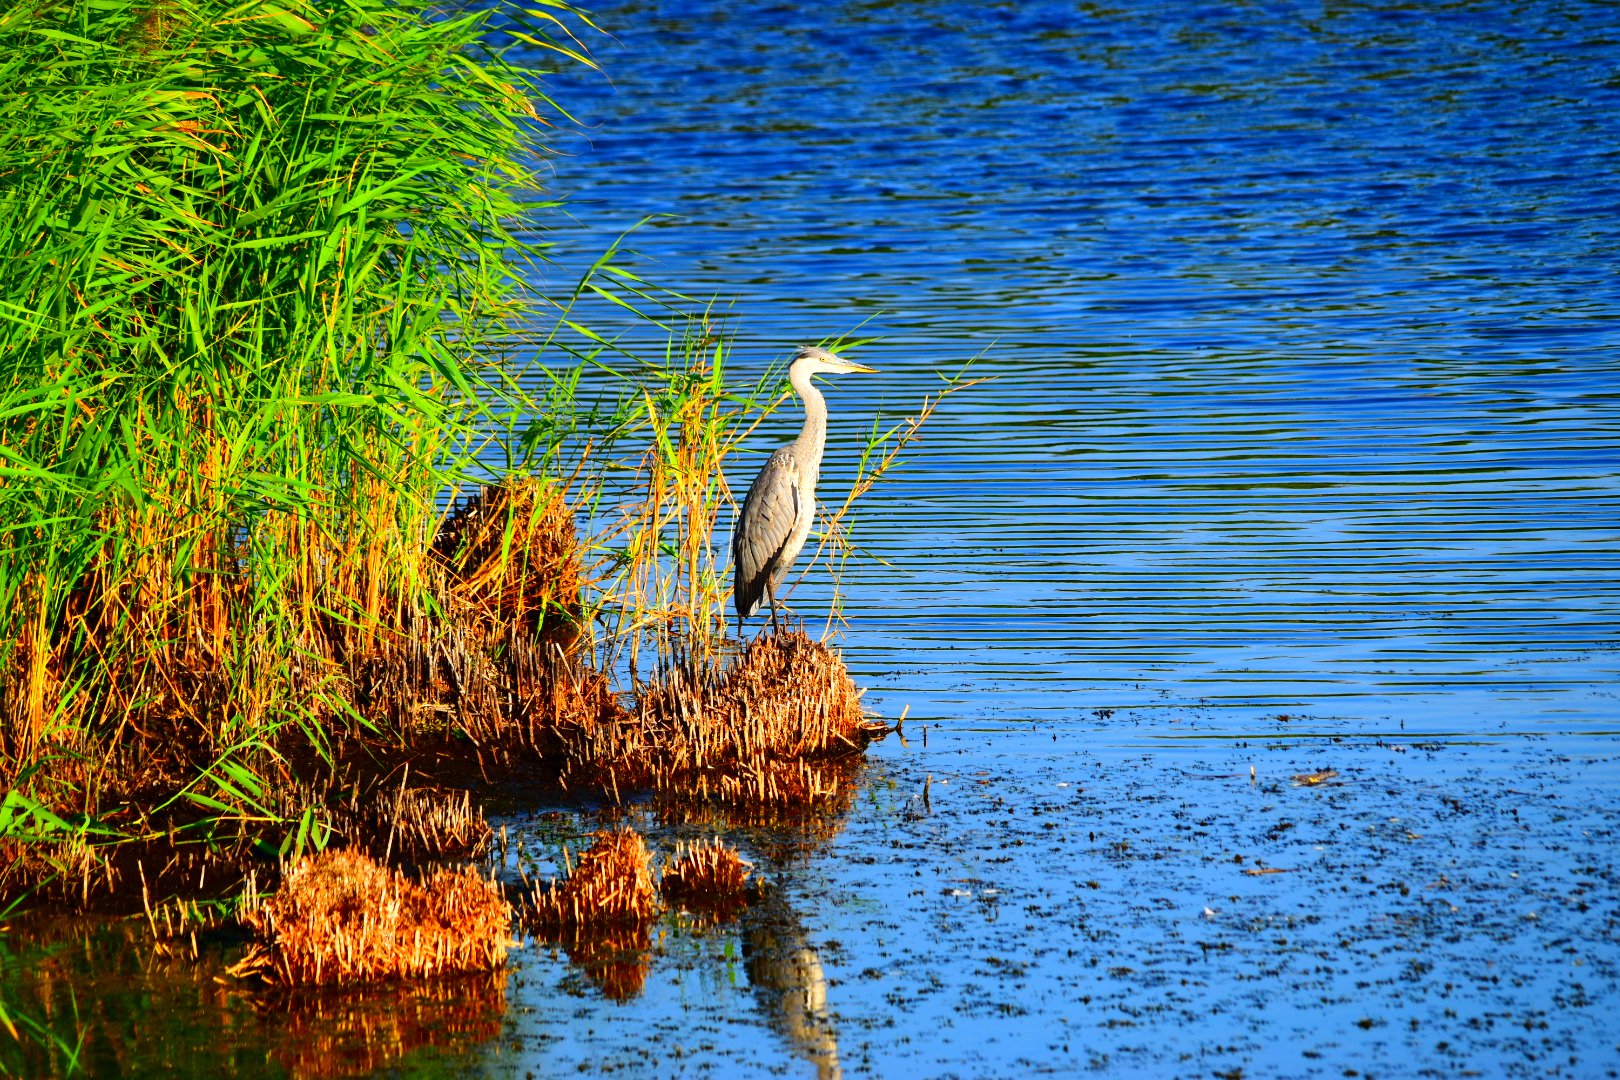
(789, 984)
(781, 504)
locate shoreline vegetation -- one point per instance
(293, 462)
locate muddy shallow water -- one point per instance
(1061, 903)
(1013, 900)
(1256, 623)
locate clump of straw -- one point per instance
(341, 918)
(708, 877)
(513, 561)
(611, 886)
(769, 730)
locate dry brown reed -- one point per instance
(708, 877)
(500, 659)
(514, 562)
(601, 913)
(612, 885)
(513, 601)
(768, 731)
(418, 824)
(491, 651)
(341, 918)
(384, 676)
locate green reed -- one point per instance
(259, 261)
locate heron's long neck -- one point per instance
(812, 440)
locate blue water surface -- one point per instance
(1255, 622)
(1299, 456)
(1301, 320)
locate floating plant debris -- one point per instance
(340, 917)
(1313, 778)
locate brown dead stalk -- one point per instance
(766, 731)
(341, 918)
(611, 886)
(710, 878)
(417, 824)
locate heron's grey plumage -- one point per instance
(781, 504)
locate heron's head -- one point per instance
(811, 360)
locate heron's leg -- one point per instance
(770, 593)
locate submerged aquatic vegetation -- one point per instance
(340, 917)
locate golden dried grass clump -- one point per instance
(707, 876)
(340, 918)
(502, 659)
(769, 730)
(611, 886)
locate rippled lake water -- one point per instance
(1299, 458)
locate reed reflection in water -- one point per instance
(117, 1009)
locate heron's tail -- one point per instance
(747, 593)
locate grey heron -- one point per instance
(781, 504)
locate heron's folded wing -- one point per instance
(767, 519)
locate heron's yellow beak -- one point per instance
(853, 366)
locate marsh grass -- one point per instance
(340, 917)
(708, 877)
(281, 510)
(259, 266)
(764, 729)
(762, 724)
(601, 912)
(416, 825)
(610, 886)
